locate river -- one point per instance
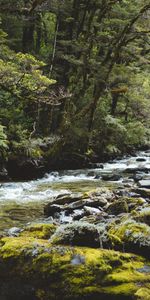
(23, 202)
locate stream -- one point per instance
(23, 202)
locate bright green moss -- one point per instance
(39, 231)
(125, 289)
(59, 272)
(127, 232)
(14, 247)
(143, 294)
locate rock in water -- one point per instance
(111, 177)
(141, 159)
(144, 183)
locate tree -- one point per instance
(98, 51)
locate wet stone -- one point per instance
(144, 183)
(136, 169)
(91, 210)
(78, 214)
(138, 176)
(141, 159)
(52, 209)
(67, 198)
(76, 205)
(78, 260)
(111, 177)
(14, 231)
(145, 269)
(97, 176)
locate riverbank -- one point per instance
(20, 167)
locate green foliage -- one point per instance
(99, 52)
(3, 141)
(22, 86)
(136, 134)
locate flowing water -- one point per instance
(23, 202)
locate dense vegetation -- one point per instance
(74, 79)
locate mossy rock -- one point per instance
(106, 193)
(133, 203)
(77, 234)
(118, 207)
(33, 269)
(40, 231)
(143, 216)
(130, 236)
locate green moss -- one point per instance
(143, 294)
(118, 207)
(129, 233)
(59, 272)
(143, 216)
(135, 228)
(125, 289)
(40, 231)
(133, 200)
(14, 247)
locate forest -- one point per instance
(74, 149)
(74, 82)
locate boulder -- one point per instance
(130, 236)
(111, 177)
(145, 183)
(77, 233)
(34, 269)
(118, 207)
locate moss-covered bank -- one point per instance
(33, 269)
